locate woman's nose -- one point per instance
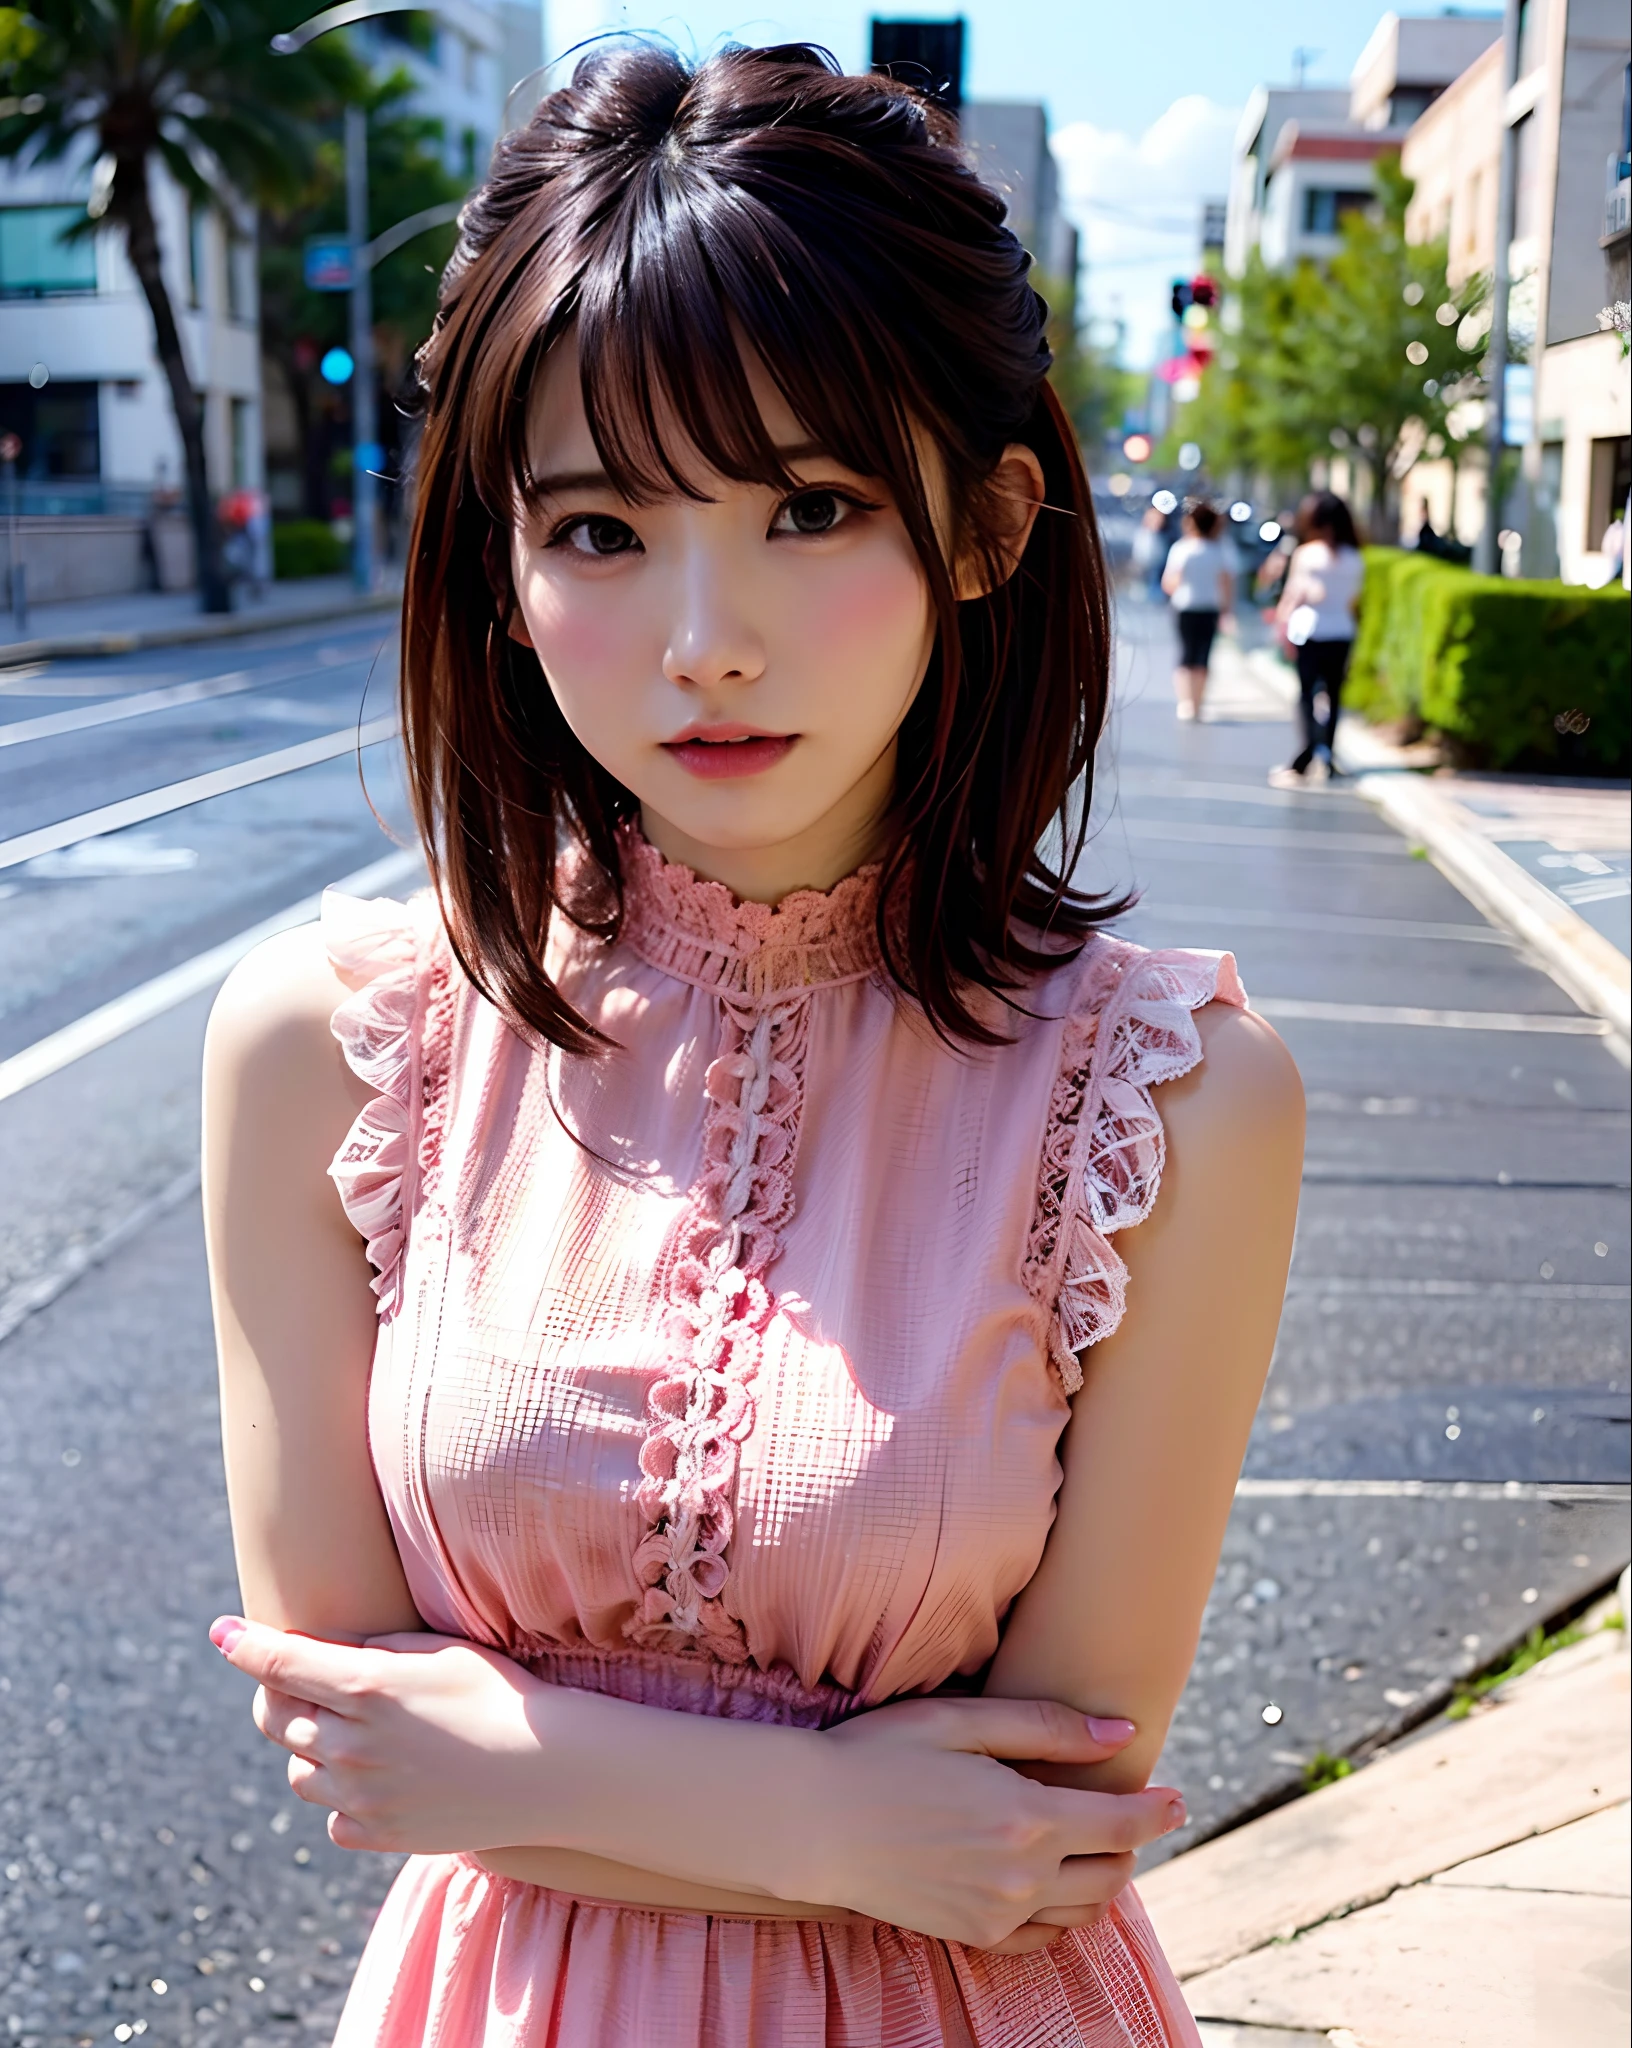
(711, 642)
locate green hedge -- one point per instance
(1512, 672)
(305, 547)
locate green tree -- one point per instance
(1370, 353)
(406, 175)
(190, 84)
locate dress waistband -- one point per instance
(690, 1685)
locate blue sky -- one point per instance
(1143, 98)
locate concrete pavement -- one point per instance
(1470, 1887)
(88, 627)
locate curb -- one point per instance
(1591, 971)
(229, 626)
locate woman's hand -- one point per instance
(412, 1741)
(924, 1827)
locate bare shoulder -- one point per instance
(270, 1054)
(1245, 1099)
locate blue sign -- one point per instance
(328, 264)
(1518, 403)
(337, 366)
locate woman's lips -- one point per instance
(719, 754)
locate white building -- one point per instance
(81, 385)
(1306, 156)
(478, 77)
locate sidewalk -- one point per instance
(1469, 1887)
(168, 618)
(1550, 862)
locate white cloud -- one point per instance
(1138, 204)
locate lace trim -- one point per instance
(1131, 1026)
(717, 1309)
(755, 952)
(375, 947)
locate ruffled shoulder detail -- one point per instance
(376, 948)
(1131, 1025)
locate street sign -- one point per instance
(328, 263)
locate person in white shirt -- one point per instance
(1316, 614)
(1200, 583)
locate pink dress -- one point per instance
(726, 1374)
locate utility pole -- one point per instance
(1487, 555)
(366, 454)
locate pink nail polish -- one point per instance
(225, 1633)
(1109, 1729)
(1177, 1815)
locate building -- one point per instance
(1007, 143)
(1305, 156)
(1566, 107)
(82, 388)
(477, 73)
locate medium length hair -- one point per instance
(675, 218)
(1324, 513)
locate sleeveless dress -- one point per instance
(726, 1374)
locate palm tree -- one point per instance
(192, 84)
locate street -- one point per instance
(1447, 1405)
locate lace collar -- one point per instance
(758, 952)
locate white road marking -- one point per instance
(53, 724)
(196, 789)
(112, 1020)
(1295, 1009)
(1266, 836)
(1466, 1290)
(1432, 1489)
(1324, 921)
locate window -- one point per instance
(35, 262)
(243, 425)
(1324, 207)
(197, 254)
(241, 280)
(59, 426)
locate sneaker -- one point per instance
(1185, 713)
(1286, 778)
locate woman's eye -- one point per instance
(597, 534)
(813, 512)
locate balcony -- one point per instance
(1617, 184)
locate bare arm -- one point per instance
(294, 1314)
(1110, 1621)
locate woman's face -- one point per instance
(742, 664)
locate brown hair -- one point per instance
(831, 223)
(1203, 516)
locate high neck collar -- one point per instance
(758, 952)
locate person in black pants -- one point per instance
(1316, 615)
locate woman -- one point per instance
(752, 1461)
(1200, 583)
(1316, 613)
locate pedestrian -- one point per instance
(1316, 614)
(1149, 552)
(1200, 583)
(736, 1139)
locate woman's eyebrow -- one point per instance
(597, 479)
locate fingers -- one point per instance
(1098, 1824)
(290, 1723)
(327, 1674)
(1038, 1731)
(1085, 1881)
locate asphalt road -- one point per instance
(1457, 1316)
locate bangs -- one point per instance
(693, 281)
